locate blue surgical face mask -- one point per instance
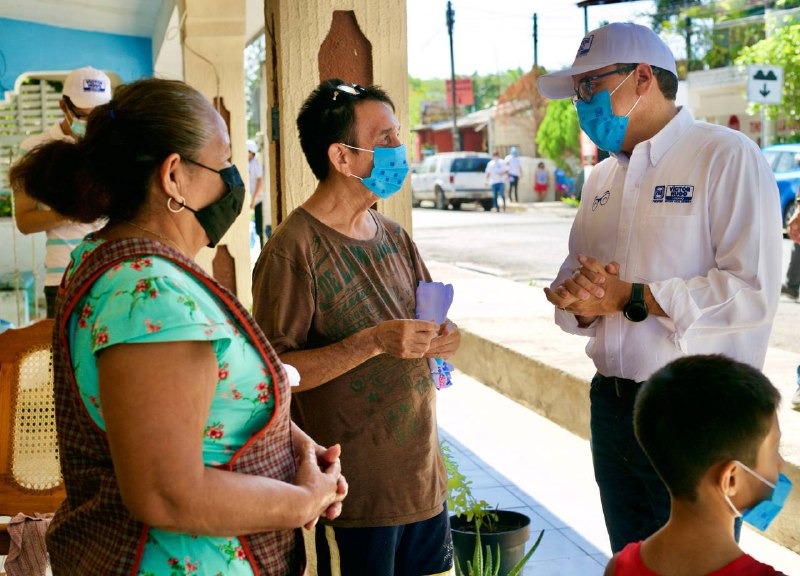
(389, 170)
(600, 123)
(762, 514)
(78, 127)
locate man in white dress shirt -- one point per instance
(675, 250)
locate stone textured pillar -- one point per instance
(356, 40)
(213, 54)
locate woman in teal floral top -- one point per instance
(177, 450)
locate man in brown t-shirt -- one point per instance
(334, 290)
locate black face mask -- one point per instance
(217, 217)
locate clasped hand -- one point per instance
(592, 290)
(417, 338)
(319, 470)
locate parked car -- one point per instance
(784, 159)
(452, 179)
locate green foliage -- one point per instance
(254, 55)
(482, 563)
(559, 132)
(781, 48)
(420, 91)
(487, 90)
(460, 500)
(5, 204)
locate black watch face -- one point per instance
(635, 311)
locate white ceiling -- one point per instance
(127, 17)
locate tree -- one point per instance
(780, 49)
(559, 132)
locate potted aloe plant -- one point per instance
(475, 523)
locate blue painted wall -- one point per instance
(26, 47)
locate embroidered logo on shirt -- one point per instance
(601, 200)
(674, 193)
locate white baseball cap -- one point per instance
(252, 146)
(87, 87)
(616, 43)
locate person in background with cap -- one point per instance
(84, 89)
(675, 250)
(256, 188)
(514, 168)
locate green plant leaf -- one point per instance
(516, 570)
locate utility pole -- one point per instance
(688, 44)
(534, 92)
(451, 18)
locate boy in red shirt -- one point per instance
(709, 425)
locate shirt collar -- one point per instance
(658, 145)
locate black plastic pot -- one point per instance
(512, 533)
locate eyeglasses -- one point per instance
(350, 89)
(584, 91)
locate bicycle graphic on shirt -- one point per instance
(601, 200)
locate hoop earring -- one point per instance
(171, 209)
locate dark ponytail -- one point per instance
(108, 172)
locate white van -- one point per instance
(452, 179)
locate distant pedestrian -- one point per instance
(514, 167)
(626, 283)
(792, 285)
(256, 188)
(541, 181)
(496, 176)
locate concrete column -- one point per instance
(213, 41)
(301, 44)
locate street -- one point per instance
(529, 246)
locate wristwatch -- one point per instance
(636, 309)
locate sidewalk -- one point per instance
(511, 344)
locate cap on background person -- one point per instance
(252, 146)
(87, 87)
(616, 43)
(514, 151)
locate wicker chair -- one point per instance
(30, 475)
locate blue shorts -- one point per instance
(420, 549)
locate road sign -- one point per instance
(764, 84)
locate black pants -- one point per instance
(259, 223)
(418, 549)
(635, 501)
(513, 181)
(50, 293)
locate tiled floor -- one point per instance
(563, 551)
(519, 460)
